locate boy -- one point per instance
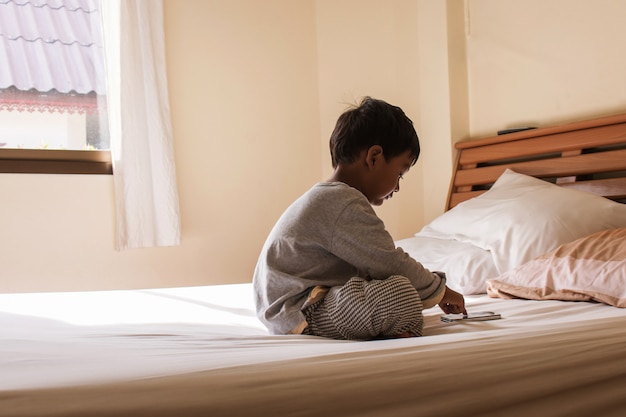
(329, 268)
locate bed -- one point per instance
(520, 238)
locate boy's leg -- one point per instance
(367, 309)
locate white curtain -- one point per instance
(146, 196)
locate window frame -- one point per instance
(55, 161)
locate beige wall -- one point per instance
(245, 114)
(255, 88)
(364, 49)
(544, 62)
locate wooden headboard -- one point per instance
(588, 155)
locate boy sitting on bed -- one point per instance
(329, 267)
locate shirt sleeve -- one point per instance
(360, 238)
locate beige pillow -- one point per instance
(590, 268)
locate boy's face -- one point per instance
(386, 175)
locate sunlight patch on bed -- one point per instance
(194, 305)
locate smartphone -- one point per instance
(476, 316)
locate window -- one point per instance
(53, 115)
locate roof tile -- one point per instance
(50, 45)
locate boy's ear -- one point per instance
(374, 153)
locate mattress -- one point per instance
(201, 351)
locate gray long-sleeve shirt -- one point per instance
(327, 236)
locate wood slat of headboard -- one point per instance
(614, 188)
(557, 143)
(553, 167)
(544, 131)
(588, 155)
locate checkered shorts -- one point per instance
(365, 309)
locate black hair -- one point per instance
(372, 122)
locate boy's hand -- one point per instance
(452, 302)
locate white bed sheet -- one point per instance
(201, 351)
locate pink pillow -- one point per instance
(590, 268)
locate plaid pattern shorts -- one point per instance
(365, 309)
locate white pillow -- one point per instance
(522, 217)
(467, 267)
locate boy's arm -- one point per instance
(360, 238)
